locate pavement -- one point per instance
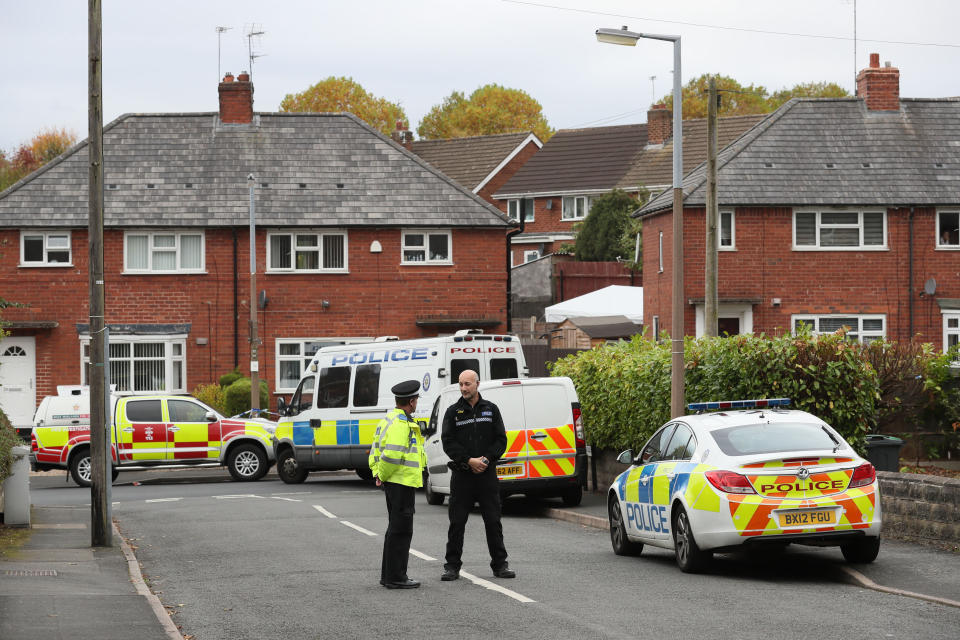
(58, 586)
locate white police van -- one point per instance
(331, 418)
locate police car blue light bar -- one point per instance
(723, 405)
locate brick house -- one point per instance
(482, 164)
(841, 212)
(356, 238)
(556, 187)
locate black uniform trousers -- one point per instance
(396, 542)
(467, 488)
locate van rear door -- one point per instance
(509, 399)
(551, 444)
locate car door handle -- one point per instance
(128, 430)
(539, 436)
(173, 428)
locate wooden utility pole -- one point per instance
(710, 300)
(100, 525)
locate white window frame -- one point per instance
(743, 311)
(302, 356)
(587, 200)
(660, 252)
(857, 331)
(514, 206)
(152, 248)
(733, 232)
(936, 230)
(531, 255)
(46, 249)
(425, 247)
(172, 361)
(950, 316)
(319, 235)
(820, 226)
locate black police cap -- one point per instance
(406, 389)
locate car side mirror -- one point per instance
(281, 406)
(427, 430)
(625, 457)
(210, 416)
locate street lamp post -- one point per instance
(629, 38)
(254, 363)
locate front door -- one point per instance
(18, 370)
(728, 326)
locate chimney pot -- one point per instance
(243, 77)
(874, 60)
(228, 77)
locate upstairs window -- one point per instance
(948, 229)
(163, 252)
(839, 230)
(45, 249)
(307, 252)
(575, 208)
(426, 247)
(523, 206)
(725, 237)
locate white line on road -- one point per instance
(237, 495)
(291, 493)
(287, 499)
(421, 555)
(164, 500)
(495, 587)
(323, 511)
(358, 528)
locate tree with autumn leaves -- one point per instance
(737, 99)
(489, 110)
(344, 94)
(30, 156)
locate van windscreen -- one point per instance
(503, 368)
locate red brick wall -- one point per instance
(506, 173)
(378, 297)
(819, 282)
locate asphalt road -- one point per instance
(269, 560)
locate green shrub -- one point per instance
(237, 396)
(228, 379)
(211, 395)
(624, 388)
(8, 440)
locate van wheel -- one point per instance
(690, 558)
(572, 497)
(80, 468)
(288, 469)
(433, 497)
(247, 462)
(861, 551)
(365, 474)
(622, 546)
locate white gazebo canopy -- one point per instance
(615, 300)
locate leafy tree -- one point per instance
(344, 94)
(608, 232)
(30, 156)
(737, 99)
(489, 110)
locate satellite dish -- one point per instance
(262, 299)
(930, 287)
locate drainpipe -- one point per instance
(910, 270)
(510, 235)
(236, 305)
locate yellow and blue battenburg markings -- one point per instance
(330, 432)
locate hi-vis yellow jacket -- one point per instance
(396, 454)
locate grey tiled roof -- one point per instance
(469, 160)
(885, 158)
(351, 175)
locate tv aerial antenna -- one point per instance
(254, 32)
(220, 32)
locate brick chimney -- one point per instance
(402, 137)
(879, 87)
(236, 99)
(659, 124)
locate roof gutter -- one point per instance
(510, 235)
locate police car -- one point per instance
(751, 473)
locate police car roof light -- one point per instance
(738, 404)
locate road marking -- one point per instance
(287, 499)
(864, 581)
(421, 555)
(164, 500)
(358, 528)
(323, 511)
(291, 493)
(237, 495)
(492, 586)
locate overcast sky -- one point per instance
(162, 56)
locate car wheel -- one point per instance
(365, 474)
(247, 462)
(288, 469)
(433, 497)
(622, 546)
(862, 550)
(572, 497)
(80, 468)
(689, 556)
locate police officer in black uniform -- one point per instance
(474, 438)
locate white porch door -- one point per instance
(18, 373)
